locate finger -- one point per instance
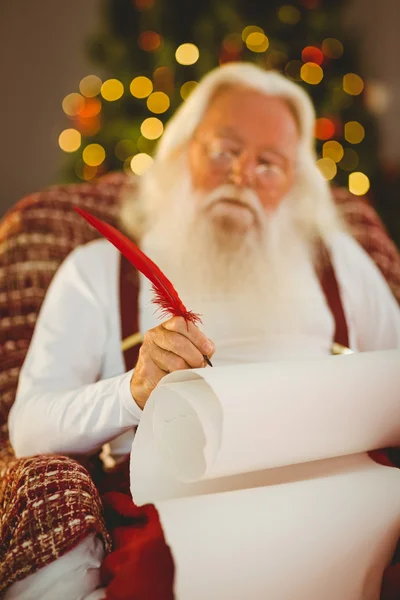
(167, 361)
(193, 333)
(179, 345)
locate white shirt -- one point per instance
(73, 395)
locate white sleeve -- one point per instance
(60, 406)
(371, 309)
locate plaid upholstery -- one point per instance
(48, 504)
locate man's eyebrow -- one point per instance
(229, 132)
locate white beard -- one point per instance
(251, 280)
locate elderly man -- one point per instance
(236, 213)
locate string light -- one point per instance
(353, 84)
(140, 163)
(332, 48)
(149, 41)
(354, 132)
(249, 30)
(324, 128)
(187, 89)
(94, 155)
(72, 104)
(187, 54)
(158, 102)
(312, 54)
(257, 41)
(358, 183)
(311, 73)
(69, 140)
(333, 150)
(90, 86)
(112, 90)
(141, 87)
(327, 168)
(152, 128)
(288, 14)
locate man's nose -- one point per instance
(243, 171)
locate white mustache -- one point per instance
(245, 196)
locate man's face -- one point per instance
(249, 142)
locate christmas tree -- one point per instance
(152, 53)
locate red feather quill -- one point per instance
(165, 295)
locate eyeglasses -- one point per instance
(222, 155)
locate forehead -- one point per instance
(251, 116)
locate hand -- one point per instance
(172, 346)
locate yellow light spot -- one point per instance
(94, 155)
(332, 48)
(187, 54)
(141, 87)
(90, 86)
(354, 132)
(125, 148)
(353, 84)
(72, 104)
(350, 160)
(293, 69)
(152, 128)
(257, 42)
(187, 88)
(140, 163)
(289, 14)
(112, 90)
(327, 167)
(311, 73)
(250, 29)
(358, 183)
(158, 102)
(333, 150)
(70, 140)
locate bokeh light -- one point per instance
(354, 132)
(163, 78)
(158, 102)
(333, 150)
(327, 167)
(94, 155)
(152, 128)
(144, 4)
(69, 140)
(257, 42)
(233, 43)
(112, 90)
(312, 54)
(289, 14)
(72, 104)
(311, 73)
(358, 183)
(293, 69)
(140, 163)
(187, 54)
(125, 148)
(90, 108)
(332, 48)
(187, 89)
(141, 87)
(90, 86)
(353, 84)
(149, 41)
(324, 128)
(249, 30)
(350, 160)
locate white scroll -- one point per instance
(261, 480)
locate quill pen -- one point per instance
(166, 297)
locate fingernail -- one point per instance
(207, 348)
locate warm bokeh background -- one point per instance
(45, 55)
